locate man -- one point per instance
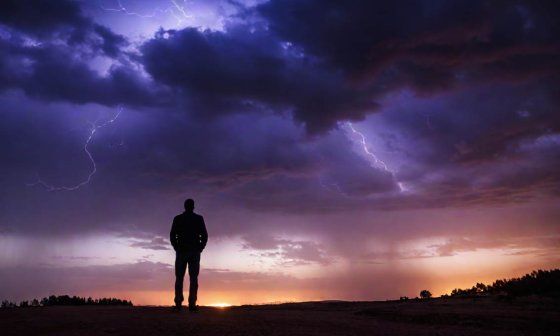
(188, 237)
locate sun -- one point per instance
(220, 305)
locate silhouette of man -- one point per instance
(188, 237)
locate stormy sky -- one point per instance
(337, 149)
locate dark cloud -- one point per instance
(49, 50)
(429, 46)
(51, 20)
(112, 43)
(242, 69)
(42, 17)
(53, 73)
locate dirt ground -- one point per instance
(483, 316)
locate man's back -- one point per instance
(188, 232)
(189, 237)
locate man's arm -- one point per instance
(203, 234)
(173, 235)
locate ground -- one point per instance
(481, 316)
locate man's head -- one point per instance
(189, 205)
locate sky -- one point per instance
(338, 150)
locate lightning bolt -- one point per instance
(93, 130)
(376, 162)
(175, 9)
(122, 9)
(181, 9)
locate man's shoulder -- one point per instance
(187, 217)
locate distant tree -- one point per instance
(481, 288)
(35, 303)
(24, 304)
(425, 294)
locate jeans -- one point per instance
(192, 259)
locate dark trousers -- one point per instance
(182, 259)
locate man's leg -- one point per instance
(180, 268)
(194, 269)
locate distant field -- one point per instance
(483, 316)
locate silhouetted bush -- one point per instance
(535, 283)
(425, 294)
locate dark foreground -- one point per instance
(483, 316)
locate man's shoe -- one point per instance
(177, 308)
(193, 308)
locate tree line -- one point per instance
(66, 300)
(540, 282)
